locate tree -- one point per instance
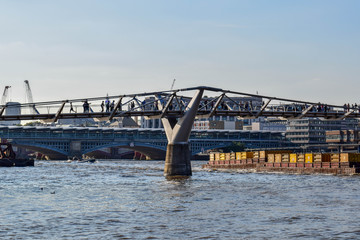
(37, 123)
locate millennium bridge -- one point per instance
(177, 110)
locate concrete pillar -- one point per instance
(113, 152)
(177, 161)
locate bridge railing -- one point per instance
(172, 103)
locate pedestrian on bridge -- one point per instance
(112, 106)
(319, 107)
(143, 105)
(86, 106)
(102, 106)
(155, 107)
(107, 104)
(246, 106)
(206, 104)
(71, 108)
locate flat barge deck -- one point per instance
(286, 162)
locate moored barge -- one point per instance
(287, 162)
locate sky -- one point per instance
(300, 49)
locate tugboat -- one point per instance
(8, 157)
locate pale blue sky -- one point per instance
(307, 50)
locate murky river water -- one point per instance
(132, 200)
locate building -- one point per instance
(313, 131)
(150, 104)
(269, 124)
(342, 137)
(218, 124)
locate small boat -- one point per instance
(8, 157)
(5, 162)
(90, 160)
(84, 160)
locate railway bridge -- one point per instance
(64, 142)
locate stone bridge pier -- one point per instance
(75, 149)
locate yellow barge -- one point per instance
(287, 161)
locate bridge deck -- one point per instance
(200, 114)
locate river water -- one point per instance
(133, 200)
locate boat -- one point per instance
(8, 157)
(84, 160)
(90, 160)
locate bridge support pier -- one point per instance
(75, 149)
(177, 161)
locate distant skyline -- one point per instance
(306, 50)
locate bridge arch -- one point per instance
(51, 152)
(151, 151)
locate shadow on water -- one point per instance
(180, 179)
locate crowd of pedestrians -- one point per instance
(109, 106)
(354, 107)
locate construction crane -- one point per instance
(29, 98)
(5, 95)
(173, 83)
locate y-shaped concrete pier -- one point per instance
(177, 161)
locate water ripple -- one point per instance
(132, 200)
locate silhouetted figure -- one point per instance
(107, 104)
(86, 106)
(247, 105)
(71, 108)
(206, 104)
(112, 105)
(143, 103)
(156, 105)
(102, 106)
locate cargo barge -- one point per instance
(287, 162)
